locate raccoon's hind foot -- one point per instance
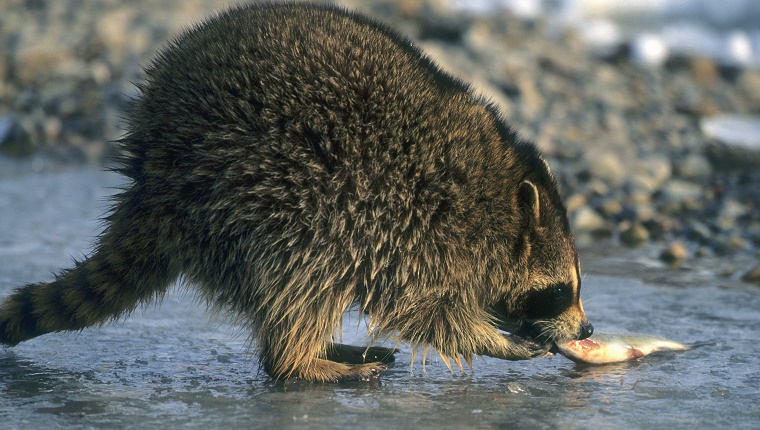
(351, 354)
(362, 372)
(321, 370)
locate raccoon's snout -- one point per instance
(529, 330)
(586, 331)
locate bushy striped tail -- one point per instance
(112, 282)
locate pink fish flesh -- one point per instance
(604, 348)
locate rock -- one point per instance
(658, 227)
(727, 245)
(674, 254)
(738, 49)
(649, 50)
(640, 187)
(679, 194)
(530, 96)
(637, 210)
(749, 85)
(733, 158)
(698, 231)
(753, 275)
(575, 202)
(15, 139)
(705, 71)
(635, 235)
(694, 167)
(596, 187)
(606, 166)
(611, 207)
(737, 243)
(656, 167)
(587, 220)
(113, 29)
(738, 141)
(729, 211)
(687, 97)
(679, 191)
(734, 130)
(52, 128)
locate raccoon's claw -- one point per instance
(363, 372)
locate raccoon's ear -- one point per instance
(527, 198)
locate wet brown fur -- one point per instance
(292, 161)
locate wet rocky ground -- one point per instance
(626, 142)
(174, 364)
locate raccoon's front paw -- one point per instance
(525, 349)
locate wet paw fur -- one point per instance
(321, 370)
(363, 372)
(525, 349)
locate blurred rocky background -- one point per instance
(653, 146)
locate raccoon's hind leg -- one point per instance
(124, 270)
(299, 358)
(325, 370)
(294, 345)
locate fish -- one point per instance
(603, 348)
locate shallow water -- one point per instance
(173, 364)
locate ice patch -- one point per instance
(736, 130)
(727, 31)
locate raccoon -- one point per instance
(294, 160)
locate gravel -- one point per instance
(625, 141)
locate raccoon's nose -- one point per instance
(586, 331)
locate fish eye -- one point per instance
(548, 302)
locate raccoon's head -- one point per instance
(546, 305)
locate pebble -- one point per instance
(728, 213)
(697, 231)
(694, 167)
(611, 208)
(587, 220)
(634, 235)
(606, 166)
(658, 167)
(15, 138)
(649, 50)
(575, 202)
(679, 191)
(740, 131)
(749, 85)
(752, 276)
(674, 254)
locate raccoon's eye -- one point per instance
(548, 302)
